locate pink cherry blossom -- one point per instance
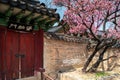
(82, 15)
(91, 18)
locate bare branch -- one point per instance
(105, 21)
(108, 58)
(92, 22)
(114, 17)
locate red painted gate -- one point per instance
(20, 53)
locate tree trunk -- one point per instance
(88, 61)
(97, 63)
(90, 58)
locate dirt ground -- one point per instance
(78, 75)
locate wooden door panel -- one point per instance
(27, 49)
(38, 49)
(11, 61)
(20, 52)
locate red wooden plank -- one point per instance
(11, 61)
(38, 50)
(2, 51)
(31, 45)
(27, 49)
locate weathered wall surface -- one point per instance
(61, 55)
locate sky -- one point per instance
(49, 4)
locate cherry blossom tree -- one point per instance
(100, 19)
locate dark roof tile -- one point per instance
(65, 37)
(32, 5)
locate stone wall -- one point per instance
(60, 56)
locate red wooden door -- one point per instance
(27, 52)
(20, 53)
(8, 49)
(11, 61)
(31, 48)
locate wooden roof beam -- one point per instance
(20, 15)
(29, 18)
(8, 13)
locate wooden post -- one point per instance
(41, 71)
